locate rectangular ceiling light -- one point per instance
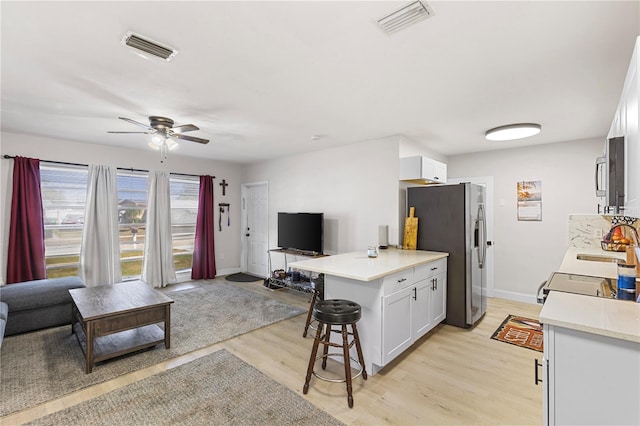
(149, 46)
(405, 16)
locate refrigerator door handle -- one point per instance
(482, 252)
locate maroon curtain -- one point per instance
(204, 259)
(25, 260)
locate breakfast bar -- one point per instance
(402, 294)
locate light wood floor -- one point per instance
(451, 376)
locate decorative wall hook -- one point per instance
(223, 207)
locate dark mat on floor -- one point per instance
(241, 277)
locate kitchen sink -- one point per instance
(596, 258)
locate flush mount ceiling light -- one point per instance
(513, 131)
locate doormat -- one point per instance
(241, 277)
(520, 331)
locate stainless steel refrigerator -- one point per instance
(452, 219)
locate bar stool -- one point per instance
(329, 313)
(317, 285)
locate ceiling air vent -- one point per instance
(405, 16)
(148, 46)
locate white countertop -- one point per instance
(571, 264)
(598, 315)
(356, 265)
(619, 319)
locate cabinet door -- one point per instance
(422, 317)
(439, 299)
(440, 172)
(632, 141)
(397, 310)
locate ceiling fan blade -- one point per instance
(128, 120)
(143, 133)
(189, 138)
(185, 128)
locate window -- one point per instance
(64, 192)
(132, 217)
(184, 212)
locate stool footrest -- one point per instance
(359, 367)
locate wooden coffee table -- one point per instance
(113, 320)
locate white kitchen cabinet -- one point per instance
(626, 123)
(632, 139)
(406, 316)
(422, 170)
(589, 379)
(439, 298)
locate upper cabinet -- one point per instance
(422, 170)
(625, 123)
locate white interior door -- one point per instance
(255, 231)
(487, 182)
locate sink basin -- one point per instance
(596, 258)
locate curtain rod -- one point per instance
(131, 169)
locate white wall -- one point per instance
(227, 241)
(355, 186)
(527, 252)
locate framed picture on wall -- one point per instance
(530, 200)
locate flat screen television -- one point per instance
(301, 231)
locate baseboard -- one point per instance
(518, 297)
(185, 276)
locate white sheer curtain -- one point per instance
(100, 248)
(158, 269)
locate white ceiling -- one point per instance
(260, 78)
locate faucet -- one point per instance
(634, 236)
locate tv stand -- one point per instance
(303, 283)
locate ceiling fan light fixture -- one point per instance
(171, 144)
(158, 140)
(513, 131)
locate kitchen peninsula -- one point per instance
(402, 294)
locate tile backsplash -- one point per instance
(586, 231)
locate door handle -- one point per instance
(536, 364)
(246, 235)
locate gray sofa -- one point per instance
(33, 305)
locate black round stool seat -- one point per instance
(337, 311)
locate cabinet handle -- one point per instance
(415, 293)
(435, 282)
(401, 280)
(536, 364)
(434, 268)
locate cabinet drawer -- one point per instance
(430, 269)
(398, 281)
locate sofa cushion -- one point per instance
(4, 311)
(35, 294)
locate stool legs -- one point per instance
(311, 305)
(323, 336)
(347, 364)
(312, 360)
(359, 350)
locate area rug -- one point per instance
(217, 389)
(520, 331)
(241, 277)
(43, 365)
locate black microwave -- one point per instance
(610, 177)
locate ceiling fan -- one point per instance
(163, 127)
